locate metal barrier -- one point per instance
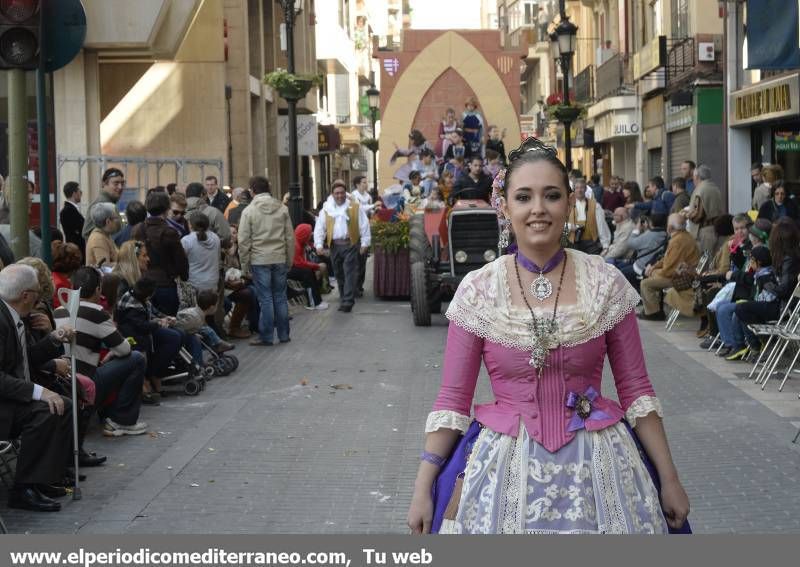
(140, 173)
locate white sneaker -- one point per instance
(322, 306)
(113, 429)
(309, 307)
(332, 282)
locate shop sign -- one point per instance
(328, 139)
(527, 126)
(678, 117)
(650, 57)
(307, 135)
(358, 163)
(617, 124)
(787, 141)
(768, 100)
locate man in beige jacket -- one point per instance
(266, 250)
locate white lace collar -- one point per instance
(482, 304)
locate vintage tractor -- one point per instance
(445, 245)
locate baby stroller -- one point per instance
(216, 364)
(184, 371)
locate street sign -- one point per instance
(65, 22)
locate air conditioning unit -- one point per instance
(705, 51)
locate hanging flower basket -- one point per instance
(564, 113)
(291, 86)
(370, 143)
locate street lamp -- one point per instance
(295, 195)
(563, 41)
(374, 97)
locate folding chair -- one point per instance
(675, 313)
(777, 339)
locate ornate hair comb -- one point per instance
(531, 144)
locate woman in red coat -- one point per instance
(304, 271)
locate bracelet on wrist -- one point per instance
(433, 459)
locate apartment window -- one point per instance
(680, 18)
(502, 22)
(344, 14)
(530, 10)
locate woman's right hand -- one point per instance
(420, 513)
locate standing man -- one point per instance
(587, 222)
(197, 200)
(613, 198)
(364, 199)
(216, 197)
(705, 206)
(474, 183)
(111, 192)
(687, 170)
(266, 251)
(71, 218)
(344, 227)
(681, 196)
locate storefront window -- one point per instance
(786, 151)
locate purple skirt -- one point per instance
(455, 465)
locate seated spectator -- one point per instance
(132, 262)
(428, 171)
(241, 292)
(135, 214)
(167, 258)
(203, 252)
(54, 373)
(192, 320)
(784, 246)
(306, 272)
(647, 243)
(473, 183)
(730, 258)
(109, 293)
(39, 417)
(759, 231)
(150, 332)
(446, 182)
(67, 258)
(100, 248)
(681, 251)
(176, 217)
(118, 377)
(623, 229)
(754, 278)
(778, 206)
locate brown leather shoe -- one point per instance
(240, 333)
(224, 346)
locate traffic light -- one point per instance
(19, 34)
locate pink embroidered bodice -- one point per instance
(486, 328)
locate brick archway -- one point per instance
(450, 50)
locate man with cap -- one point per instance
(343, 227)
(111, 192)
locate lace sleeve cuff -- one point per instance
(642, 406)
(447, 419)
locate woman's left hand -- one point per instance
(675, 503)
(40, 322)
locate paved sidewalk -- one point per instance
(322, 435)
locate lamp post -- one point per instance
(295, 195)
(374, 97)
(563, 43)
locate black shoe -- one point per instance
(657, 316)
(286, 341)
(51, 490)
(706, 343)
(28, 498)
(359, 294)
(725, 351)
(90, 459)
(151, 398)
(346, 308)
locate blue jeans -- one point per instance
(730, 329)
(123, 376)
(270, 284)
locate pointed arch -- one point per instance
(448, 50)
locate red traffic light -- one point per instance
(19, 10)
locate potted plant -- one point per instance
(391, 273)
(557, 110)
(289, 85)
(370, 143)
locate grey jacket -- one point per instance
(647, 246)
(217, 222)
(266, 235)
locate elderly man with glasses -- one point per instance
(39, 417)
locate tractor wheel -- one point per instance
(419, 247)
(419, 295)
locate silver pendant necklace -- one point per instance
(541, 288)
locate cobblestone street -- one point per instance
(323, 435)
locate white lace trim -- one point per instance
(642, 406)
(447, 419)
(482, 304)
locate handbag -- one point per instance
(683, 278)
(446, 489)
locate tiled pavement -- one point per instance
(322, 436)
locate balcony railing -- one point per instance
(683, 63)
(584, 85)
(613, 77)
